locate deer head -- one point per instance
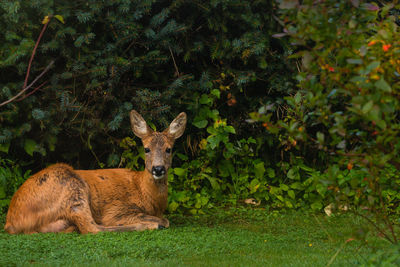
(157, 145)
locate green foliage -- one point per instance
(11, 177)
(385, 257)
(110, 57)
(214, 60)
(328, 133)
(343, 119)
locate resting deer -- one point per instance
(61, 199)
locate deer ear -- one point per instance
(139, 125)
(177, 126)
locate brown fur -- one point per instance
(61, 199)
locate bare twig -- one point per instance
(31, 92)
(336, 254)
(323, 228)
(173, 59)
(26, 86)
(385, 217)
(381, 231)
(34, 51)
(29, 86)
(278, 20)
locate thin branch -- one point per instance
(173, 59)
(29, 86)
(34, 52)
(278, 20)
(26, 87)
(381, 231)
(31, 92)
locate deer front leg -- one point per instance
(134, 222)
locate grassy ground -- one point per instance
(232, 237)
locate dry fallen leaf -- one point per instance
(252, 201)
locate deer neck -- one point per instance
(155, 187)
(156, 193)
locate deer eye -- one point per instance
(146, 150)
(168, 150)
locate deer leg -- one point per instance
(54, 227)
(77, 207)
(80, 216)
(136, 222)
(70, 229)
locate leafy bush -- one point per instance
(327, 134)
(343, 120)
(214, 60)
(11, 177)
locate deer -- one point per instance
(62, 199)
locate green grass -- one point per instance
(231, 237)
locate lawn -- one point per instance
(229, 237)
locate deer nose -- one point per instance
(158, 171)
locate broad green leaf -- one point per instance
(254, 183)
(205, 99)
(179, 171)
(284, 187)
(173, 206)
(271, 173)
(204, 200)
(213, 141)
(296, 185)
(4, 147)
(358, 79)
(230, 129)
(381, 124)
(297, 98)
(60, 18)
(200, 124)
(383, 85)
(182, 196)
(288, 204)
(182, 156)
(306, 168)
(292, 174)
(367, 107)
(354, 61)
(320, 137)
(373, 65)
(214, 183)
(30, 146)
(216, 92)
(291, 194)
(316, 206)
(259, 170)
(321, 189)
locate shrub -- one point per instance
(215, 60)
(11, 177)
(343, 120)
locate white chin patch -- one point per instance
(158, 177)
